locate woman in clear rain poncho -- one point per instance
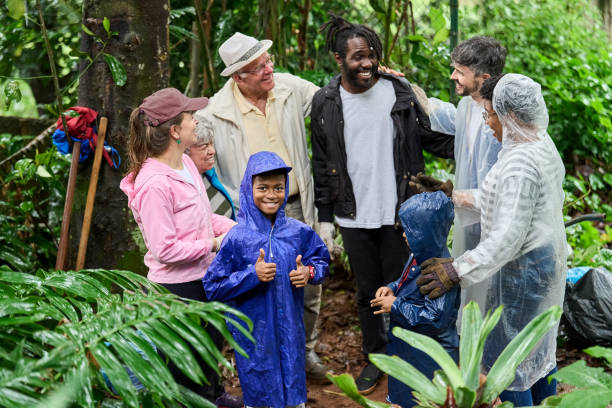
(521, 257)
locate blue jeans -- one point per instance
(533, 396)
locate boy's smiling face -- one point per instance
(269, 193)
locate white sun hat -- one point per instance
(239, 50)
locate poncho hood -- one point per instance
(426, 219)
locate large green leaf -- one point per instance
(163, 374)
(406, 373)
(580, 375)
(472, 356)
(173, 347)
(116, 373)
(347, 384)
(116, 68)
(591, 398)
(471, 321)
(16, 8)
(600, 352)
(434, 350)
(191, 399)
(503, 371)
(141, 367)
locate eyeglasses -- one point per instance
(258, 69)
(485, 115)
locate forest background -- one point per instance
(58, 327)
(98, 49)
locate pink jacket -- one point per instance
(176, 221)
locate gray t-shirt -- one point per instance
(368, 136)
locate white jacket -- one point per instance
(294, 97)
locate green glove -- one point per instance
(423, 183)
(438, 276)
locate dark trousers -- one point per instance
(195, 291)
(376, 257)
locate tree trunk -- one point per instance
(142, 47)
(605, 6)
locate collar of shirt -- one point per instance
(244, 105)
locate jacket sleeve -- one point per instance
(314, 253)
(159, 229)
(319, 161)
(222, 281)
(440, 144)
(221, 224)
(393, 285)
(442, 116)
(508, 224)
(306, 91)
(430, 318)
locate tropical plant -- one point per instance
(594, 385)
(31, 207)
(460, 386)
(63, 333)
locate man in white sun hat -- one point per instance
(259, 110)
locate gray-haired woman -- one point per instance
(202, 152)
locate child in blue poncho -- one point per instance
(426, 219)
(261, 269)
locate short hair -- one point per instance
(483, 55)
(486, 90)
(339, 31)
(271, 173)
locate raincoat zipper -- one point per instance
(270, 243)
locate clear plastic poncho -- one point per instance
(521, 258)
(476, 151)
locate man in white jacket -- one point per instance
(259, 110)
(474, 61)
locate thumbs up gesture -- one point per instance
(265, 271)
(300, 275)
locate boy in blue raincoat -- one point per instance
(426, 219)
(261, 269)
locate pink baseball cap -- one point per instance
(168, 103)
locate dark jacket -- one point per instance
(426, 219)
(274, 373)
(333, 187)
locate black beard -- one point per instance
(351, 77)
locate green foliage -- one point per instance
(594, 385)
(16, 99)
(60, 329)
(562, 46)
(464, 380)
(21, 43)
(31, 203)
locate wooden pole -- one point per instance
(60, 262)
(91, 195)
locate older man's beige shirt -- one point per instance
(263, 131)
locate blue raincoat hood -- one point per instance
(426, 219)
(249, 214)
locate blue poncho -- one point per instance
(274, 375)
(426, 219)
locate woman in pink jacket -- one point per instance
(169, 202)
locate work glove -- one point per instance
(422, 183)
(438, 276)
(327, 230)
